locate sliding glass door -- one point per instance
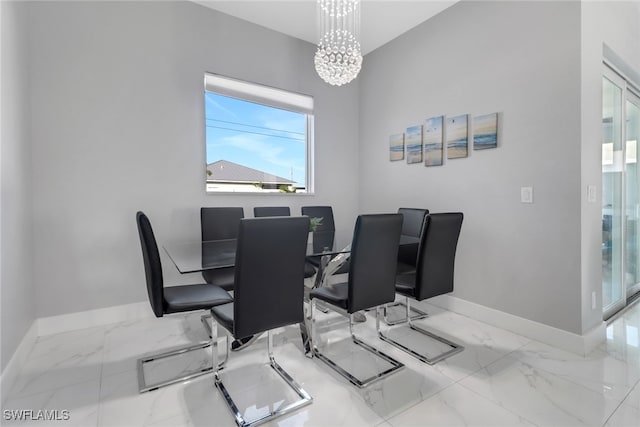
(613, 295)
(632, 202)
(620, 192)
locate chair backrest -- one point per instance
(152, 265)
(262, 211)
(269, 274)
(437, 254)
(220, 222)
(324, 234)
(412, 222)
(374, 250)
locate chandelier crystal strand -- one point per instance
(338, 59)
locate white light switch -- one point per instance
(526, 194)
(591, 193)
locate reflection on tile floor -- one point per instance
(500, 379)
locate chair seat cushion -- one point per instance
(336, 294)
(194, 297)
(404, 268)
(224, 315)
(223, 277)
(309, 270)
(406, 284)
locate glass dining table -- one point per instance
(197, 256)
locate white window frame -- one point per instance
(272, 97)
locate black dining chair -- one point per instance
(433, 276)
(267, 211)
(264, 211)
(269, 277)
(219, 223)
(324, 234)
(371, 283)
(172, 299)
(412, 223)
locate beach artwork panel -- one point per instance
(433, 141)
(485, 131)
(396, 147)
(413, 141)
(457, 137)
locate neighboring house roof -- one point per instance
(226, 171)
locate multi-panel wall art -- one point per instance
(457, 137)
(455, 134)
(433, 138)
(485, 131)
(396, 147)
(413, 140)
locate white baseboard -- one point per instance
(98, 317)
(14, 367)
(595, 337)
(578, 344)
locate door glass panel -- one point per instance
(632, 181)
(612, 174)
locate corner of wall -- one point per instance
(15, 364)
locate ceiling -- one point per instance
(381, 21)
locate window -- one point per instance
(258, 138)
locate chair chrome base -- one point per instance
(395, 365)
(305, 398)
(419, 314)
(455, 348)
(206, 322)
(144, 387)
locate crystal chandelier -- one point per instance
(338, 58)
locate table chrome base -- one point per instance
(238, 345)
(206, 322)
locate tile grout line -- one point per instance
(511, 354)
(498, 403)
(569, 380)
(454, 382)
(104, 346)
(417, 403)
(637, 384)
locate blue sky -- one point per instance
(257, 136)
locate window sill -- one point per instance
(256, 193)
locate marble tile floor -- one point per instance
(500, 379)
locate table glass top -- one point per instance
(194, 256)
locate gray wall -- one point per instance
(17, 311)
(616, 24)
(521, 59)
(118, 126)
